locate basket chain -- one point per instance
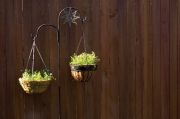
(32, 52)
(82, 36)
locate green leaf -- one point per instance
(37, 75)
(84, 59)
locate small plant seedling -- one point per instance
(37, 75)
(84, 59)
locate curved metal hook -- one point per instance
(46, 25)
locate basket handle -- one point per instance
(32, 52)
(35, 47)
(83, 20)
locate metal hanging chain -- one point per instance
(34, 45)
(82, 37)
(79, 44)
(30, 55)
(40, 56)
(32, 52)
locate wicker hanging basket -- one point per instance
(29, 84)
(32, 86)
(82, 73)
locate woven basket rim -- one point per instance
(83, 65)
(28, 80)
(34, 86)
(92, 67)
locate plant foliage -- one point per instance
(84, 59)
(37, 75)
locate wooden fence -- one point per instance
(138, 42)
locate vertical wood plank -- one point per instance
(55, 96)
(10, 53)
(129, 57)
(173, 58)
(147, 36)
(3, 60)
(178, 63)
(114, 42)
(122, 24)
(139, 60)
(104, 39)
(165, 53)
(157, 112)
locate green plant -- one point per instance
(84, 59)
(37, 75)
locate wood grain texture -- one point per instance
(157, 113)
(147, 36)
(178, 68)
(165, 56)
(173, 59)
(3, 60)
(139, 60)
(136, 40)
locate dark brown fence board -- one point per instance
(55, 87)
(165, 53)
(173, 58)
(122, 18)
(147, 36)
(157, 113)
(178, 55)
(2, 61)
(10, 55)
(129, 51)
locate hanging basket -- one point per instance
(35, 81)
(32, 86)
(82, 73)
(83, 65)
